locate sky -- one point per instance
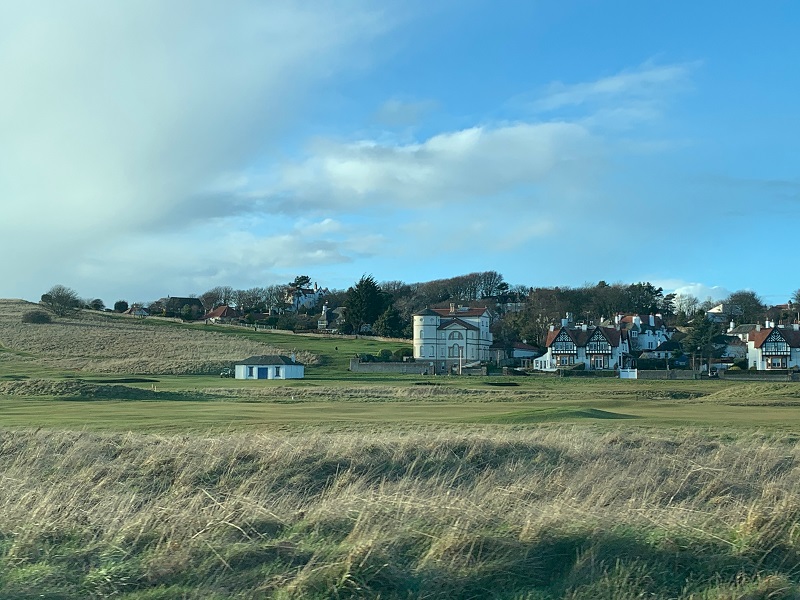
(156, 148)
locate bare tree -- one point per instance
(61, 300)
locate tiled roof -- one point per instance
(222, 312)
(581, 337)
(792, 336)
(426, 313)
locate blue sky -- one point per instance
(155, 148)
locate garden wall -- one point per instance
(408, 368)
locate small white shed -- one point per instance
(269, 366)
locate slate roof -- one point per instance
(268, 360)
(668, 346)
(465, 311)
(456, 321)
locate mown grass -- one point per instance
(557, 512)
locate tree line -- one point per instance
(386, 308)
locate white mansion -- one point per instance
(449, 339)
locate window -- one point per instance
(456, 335)
(277, 372)
(250, 371)
(776, 362)
(454, 351)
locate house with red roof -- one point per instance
(452, 338)
(774, 347)
(222, 314)
(596, 347)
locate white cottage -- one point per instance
(270, 366)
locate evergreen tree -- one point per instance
(365, 302)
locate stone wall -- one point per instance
(408, 368)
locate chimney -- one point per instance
(758, 326)
(293, 357)
(652, 320)
(564, 322)
(584, 327)
(731, 326)
(617, 318)
(552, 327)
(637, 320)
(796, 326)
(452, 307)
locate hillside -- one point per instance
(97, 342)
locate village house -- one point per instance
(222, 314)
(330, 320)
(774, 347)
(645, 332)
(300, 298)
(450, 339)
(722, 313)
(596, 347)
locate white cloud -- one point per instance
(647, 82)
(701, 291)
(461, 166)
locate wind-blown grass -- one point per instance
(546, 513)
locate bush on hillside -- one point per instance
(36, 316)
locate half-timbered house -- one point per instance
(598, 348)
(774, 348)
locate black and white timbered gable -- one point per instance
(563, 344)
(598, 343)
(776, 344)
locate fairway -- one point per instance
(187, 415)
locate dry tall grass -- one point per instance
(428, 513)
(132, 346)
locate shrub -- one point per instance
(385, 355)
(36, 316)
(401, 353)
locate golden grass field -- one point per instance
(102, 343)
